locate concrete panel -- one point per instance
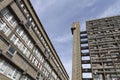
(24, 65)
(4, 3)
(3, 47)
(17, 11)
(3, 77)
(37, 40)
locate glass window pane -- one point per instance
(13, 22)
(3, 66)
(11, 70)
(19, 30)
(7, 32)
(13, 38)
(4, 11)
(5, 29)
(1, 24)
(11, 50)
(27, 53)
(8, 15)
(16, 75)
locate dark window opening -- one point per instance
(11, 50)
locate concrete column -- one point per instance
(76, 54)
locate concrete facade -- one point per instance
(76, 74)
(99, 49)
(26, 52)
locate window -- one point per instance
(22, 35)
(12, 50)
(25, 78)
(22, 48)
(5, 12)
(16, 75)
(47, 66)
(31, 57)
(45, 45)
(26, 39)
(36, 62)
(27, 53)
(43, 70)
(24, 52)
(84, 51)
(37, 31)
(33, 24)
(28, 42)
(35, 28)
(22, 5)
(8, 31)
(30, 45)
(38, 65)
(41, 58)
(30, 19)
(47, 73)
(9, 17)
(48, 50)
(4, 28)
(28, 24)
(38, 55)
(86, 66)
(18, 44)
(36, 51)
(28, 15)
(3, 66)
(83, 45)
(2, 24)
(42, 40)
(25, 11)
(85, 58)
(87, 75)
(14, 39)
(19, 31)
(13, 22)
(11, 70)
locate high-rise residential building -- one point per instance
(26, 52)
(96, 51)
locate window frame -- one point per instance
(9, 17)
(14, 52)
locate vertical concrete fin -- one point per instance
(76, 54)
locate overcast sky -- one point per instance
(58, 15)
